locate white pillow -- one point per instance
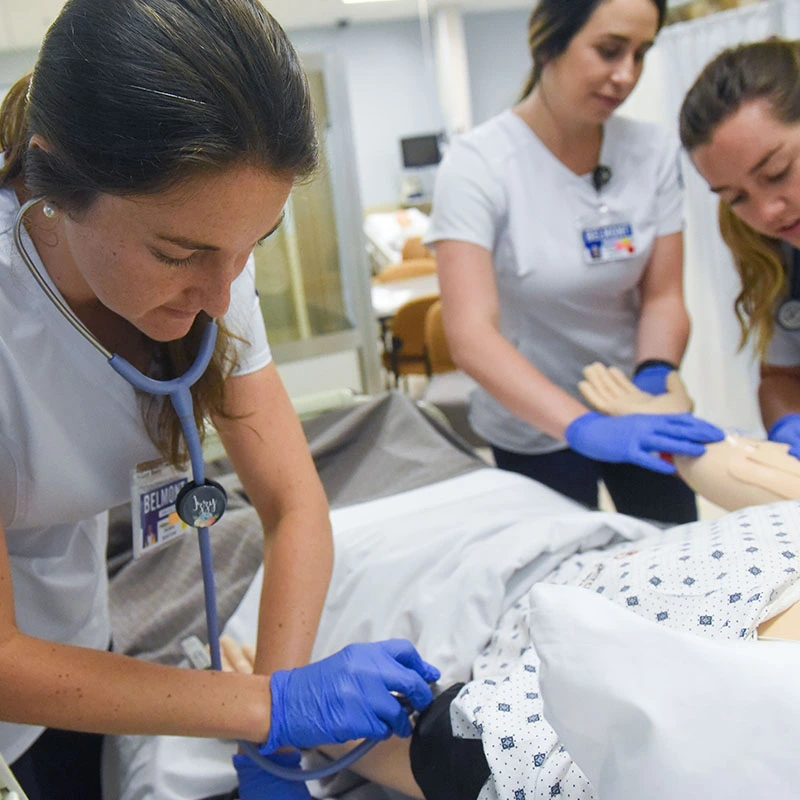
(647, 712)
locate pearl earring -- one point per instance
(48, 210)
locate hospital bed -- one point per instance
(386, 232)
(431, 544)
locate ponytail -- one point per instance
(14, 130)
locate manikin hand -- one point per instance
(610, 391)
(740, 472)
(236, 657)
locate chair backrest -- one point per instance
(439, 358)
(407, 269)
(408, 335)
(413, 248)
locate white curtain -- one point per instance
(722, 381)
(790, 18)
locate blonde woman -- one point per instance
(740, 123)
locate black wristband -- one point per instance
(653, 362)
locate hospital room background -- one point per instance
(382, 72)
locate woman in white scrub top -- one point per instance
(558, 235)
(164, 137)
(740, 123)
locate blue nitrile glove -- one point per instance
(347, 696)
(256, 784)
(651, 377)
(636, 438)
(787, 430)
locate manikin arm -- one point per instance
(734, 473)
(609, 391)
(740, 472)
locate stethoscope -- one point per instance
(198, 496)
(788, 316)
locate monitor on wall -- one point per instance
(421, 151)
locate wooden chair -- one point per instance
(404, 348)
(413, 249)
(439, 358)
(406, 269)
(449, 388)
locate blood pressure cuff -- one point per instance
(446, 767)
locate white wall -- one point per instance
(392, 95)
(393, 85)
(499, 60)
(13, 65)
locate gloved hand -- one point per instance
(787, 430)
(256, 784)
(636, 438)
(652, 377)
(347, 696)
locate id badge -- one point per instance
(154, 488)
(9, 788)
(606, 237)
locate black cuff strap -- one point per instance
(653, 362)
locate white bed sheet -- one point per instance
(438, 565)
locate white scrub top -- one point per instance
(500, 187)
(70, 434)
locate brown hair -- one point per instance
(136, 96)
(759, 262)
(552, 26)
(769, 71)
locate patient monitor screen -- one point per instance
(420, 151)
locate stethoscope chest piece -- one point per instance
(201, 506)
(789, 315)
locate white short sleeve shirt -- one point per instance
(71, 433)
(500, 188)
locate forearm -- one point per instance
(491, 360)
(778, 395)
(63, 686)
(663, 330)
(298, 561)
(388, 764)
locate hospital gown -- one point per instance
(718, 579)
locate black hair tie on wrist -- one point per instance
(653, 362)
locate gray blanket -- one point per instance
(372, 450)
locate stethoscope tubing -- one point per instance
(179, 392)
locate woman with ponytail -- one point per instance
(558, 233)
(160, 140)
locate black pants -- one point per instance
(635, 491)
(61, 765)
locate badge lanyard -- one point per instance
(788, 316)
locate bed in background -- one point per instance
(431, 544)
